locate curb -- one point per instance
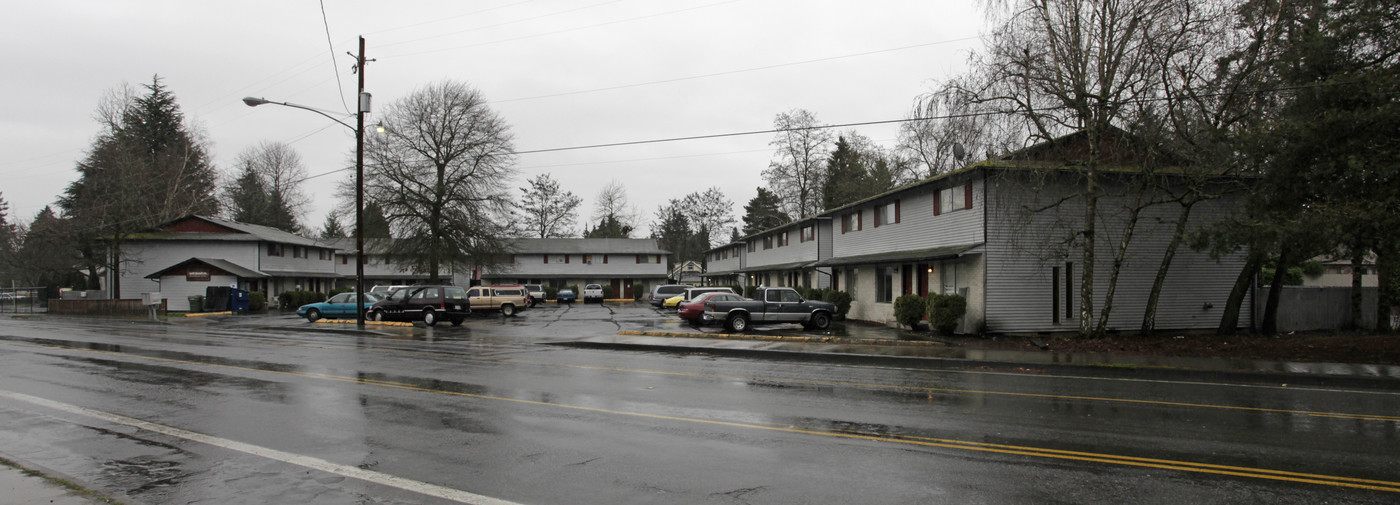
(1281, 379)
(786, 338)
(367, 322)
(205, 314)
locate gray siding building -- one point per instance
(624, 264)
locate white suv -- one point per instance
(593, 292)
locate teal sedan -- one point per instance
(338, 306)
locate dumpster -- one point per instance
(238, 301)
(216, 298)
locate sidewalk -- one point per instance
(892, 346)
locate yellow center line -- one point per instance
(1184, 466)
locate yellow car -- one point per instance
(674, 301)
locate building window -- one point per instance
(588, 259)
(884, 284)
(275, 250)
(783, 239)
(767, 242)
(887, 214)
(952, 199)
(851, 222)
(809, 232)
(753, 244)
(853, 282)
(345, 260)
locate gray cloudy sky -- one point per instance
(562, 72)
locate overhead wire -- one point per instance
(334, 66)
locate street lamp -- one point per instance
(359, 128)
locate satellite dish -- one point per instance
(958, 152)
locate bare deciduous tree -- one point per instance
(546, 211)
(795, 174)
(440, 173)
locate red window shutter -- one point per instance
(843, 225)
(876, 212)
(896, 211)
(566, 259)
(605, 259)
(937, 202)
(546, 259)
(967, 201)
(639, 259)
(860, 220)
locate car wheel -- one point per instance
(820, 321)
(312, 315)
(738, 323)
(429, 317)
(377, 315)
(508, 310)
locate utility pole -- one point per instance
(361, 108)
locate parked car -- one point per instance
(659, 294)
(592, 292)
(690, 311)
(770, 306)
(427, 303)
(508, 299)
(536, 292)
(691, 293)
(383, 290)
(565, 295)
(338, 306)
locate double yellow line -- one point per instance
(1018, 450)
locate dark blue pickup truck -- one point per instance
(770, 306)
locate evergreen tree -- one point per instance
(146, 168)
(376, 226)
(845, 180)
(609, 227)
(266, 191)
(332, 228)
(763, 212)
(48, 256)
(9, 243)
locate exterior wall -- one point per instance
(142, 258)
(917, 228)
(1024, 249)
(795, 251)
(176, 290)
(312, 265)
(618, 265)
(374, 269)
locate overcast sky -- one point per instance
(563, 73)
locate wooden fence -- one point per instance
(131, 308)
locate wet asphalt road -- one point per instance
(274, 410)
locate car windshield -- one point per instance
(593, 286)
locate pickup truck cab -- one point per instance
(770, 306)
(509, 299)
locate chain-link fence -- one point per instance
(23, 300)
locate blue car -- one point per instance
(565, 296)
(338, 306)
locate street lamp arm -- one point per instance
(254, 102)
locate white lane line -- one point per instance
(384, 479)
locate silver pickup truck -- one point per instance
(770, 306)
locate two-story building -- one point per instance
(379, 268)
(185, 256)
(1007, 235)
(625, 264)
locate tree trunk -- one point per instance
(1358, 268)
(1149, 314)
(1118, 258)
(1230, 319)
(1384, 286)
(1086, 278)
(1269, 326)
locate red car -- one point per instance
(692, 310)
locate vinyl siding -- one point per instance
(142, 258)
(618, 265)
(795, 251)
(1024, 247)
(312, 265)
(918, 228)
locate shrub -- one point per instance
(748, 291)
(294, 299)
(550, 292)
(257, 301)
(608, 292)
(639, 290)
(337, 291)
(945, 311)
(842, 300)
(910, 309)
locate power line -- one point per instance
(334, 66)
